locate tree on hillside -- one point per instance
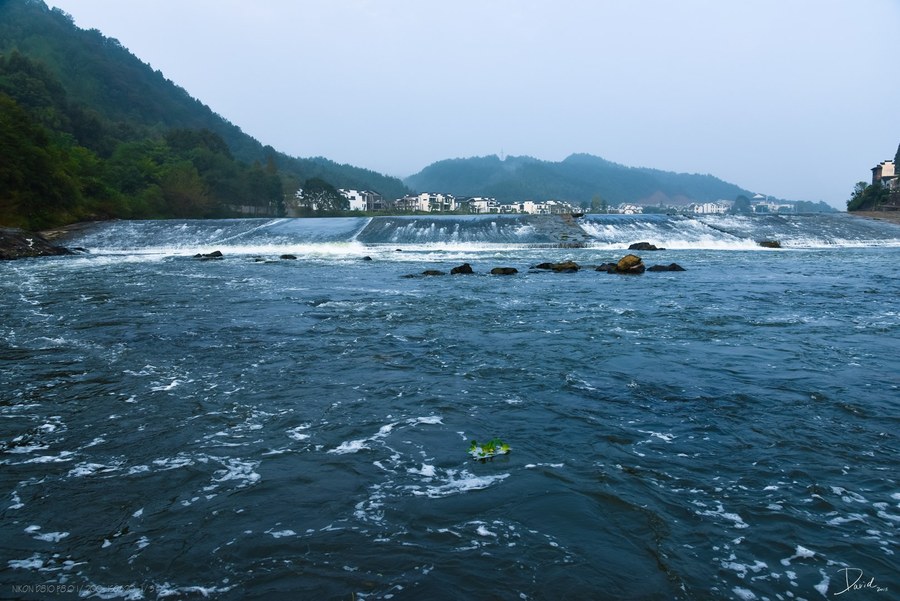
(320, 196)
(741, 205)
(36, 181)
(867, 197)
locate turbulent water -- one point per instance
(267, 428)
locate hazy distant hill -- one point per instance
(81, 91)
(579, 178)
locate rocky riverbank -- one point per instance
(19, 244)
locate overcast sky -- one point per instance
(796, 99)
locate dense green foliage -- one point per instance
(867, 197)
(321, 197)
(580, 178)
(89, 131)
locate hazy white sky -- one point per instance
(793, 98)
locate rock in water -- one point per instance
(669, 267)
(644, 246)
(504, 271)
(465, 268)
(213, 256)
(630, 264)
(19, 244)
(564, 267)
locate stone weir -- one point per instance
(535, 230)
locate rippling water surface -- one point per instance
(266, 428)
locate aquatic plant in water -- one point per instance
(488, 450)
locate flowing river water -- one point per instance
(259, 427)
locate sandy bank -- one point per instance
(891, 216)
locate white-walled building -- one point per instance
(427, 202)
(885, 172)
(480, 204)
(710, 208)
(363, 200)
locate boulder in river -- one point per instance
(769, 243)
(630, 264)
(19, 244)
(213, 256)
(669, 267)
(463, 269)
(644, 246)
(504, 271)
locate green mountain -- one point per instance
(88, 130)
(580, 178)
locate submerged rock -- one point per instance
(19, 244)
(607, 267)
(213, 256)
(288, 257)
(644, 246)
(769, 243)
(463, 269)
(669, 267)
(433, 272)
(504, 271)
(564, 267)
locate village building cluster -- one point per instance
(431, 202)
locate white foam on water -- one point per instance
(800, 552)
(822, 587)
(354, 446)
(167, 387)
(281, 533)
(350, 446)
(89, 469)
(239, 470)
(61, 458)
(32, 563)
(720, 512)
(853, 517)
(428, 471)
(668, 438)
(166, 590)
(51, 537)
(297, 433)
(430, 420)
(25, 449)
(457, 483)
(744, 594)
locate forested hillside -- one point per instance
(87, 131)
(579, 178)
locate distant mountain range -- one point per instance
(580, 178)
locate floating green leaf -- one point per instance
(489, 449)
